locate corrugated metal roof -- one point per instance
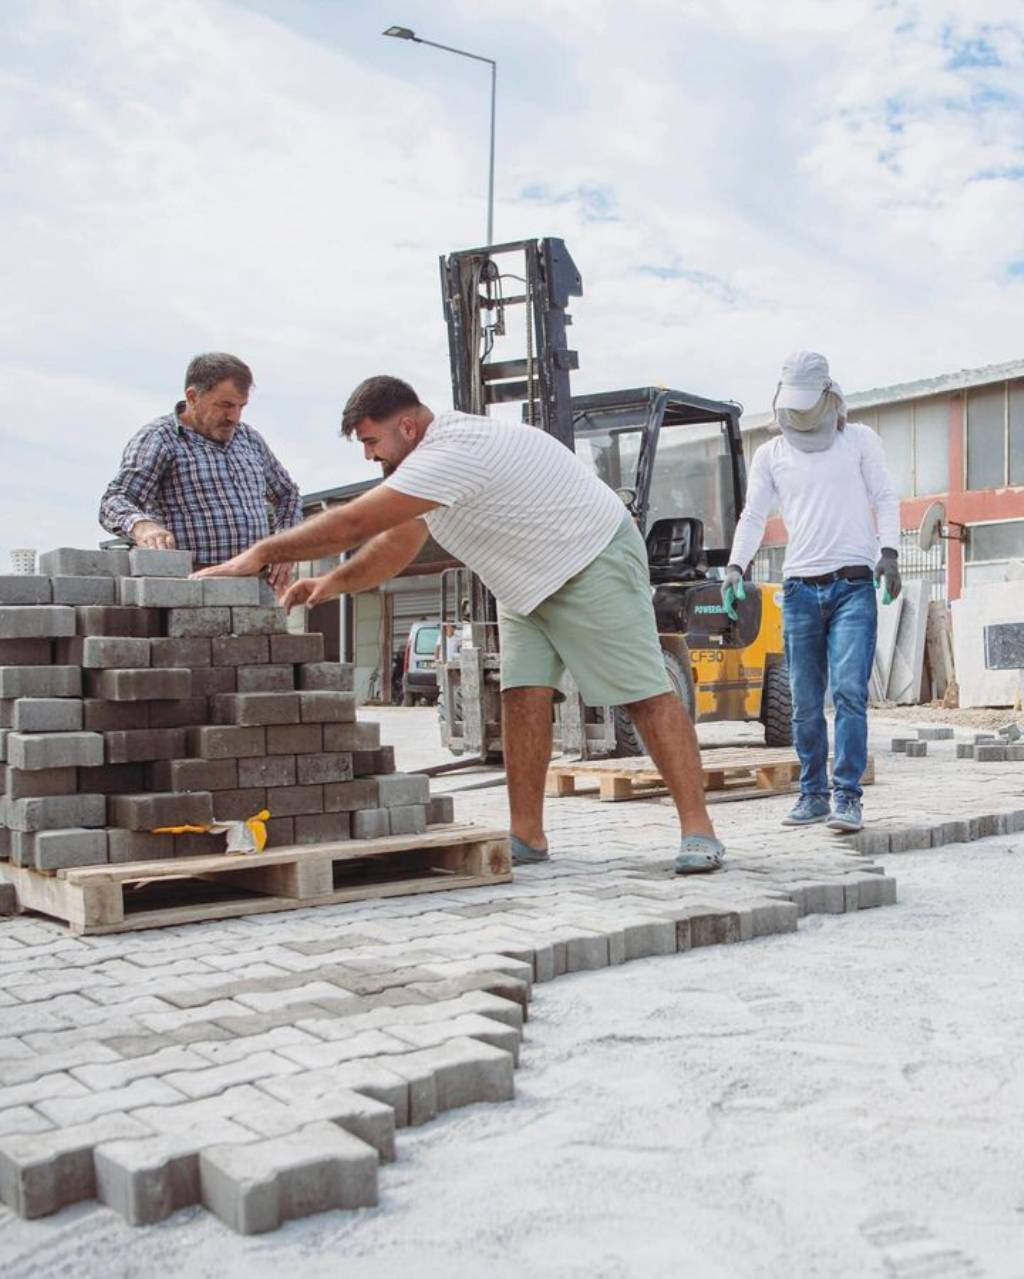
(945, 383)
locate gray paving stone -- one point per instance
(180, 651)
(255, 1188)
(256, 709)
(30, 783)
(160, 592)
(322, 768)
(399, 789)
(199, 622)
(115, 779)
(83, 590)
(370, 1120)
(267, 678)
(24, 589)
(916, 750)
(25, 652)
(935, 733)
(293, 801)
(226, 741)
(258, 621)
(267, 771)
(164, 684)
(990, 752)
(370, 823)
(965, 750)
(147, 812)
(99, 716)
(130, 746)
(56, 812)
(441, 808)
(40, 681)
(95, 620)
(54, 750)
(351, 737)
(230, 591)
(147, 1180)
(57, 849)
(40, 621)
(46, 715)
(186, 712)
(67, 561)
(294, 739)
(213, 681)
(43, 1171)
(146, 562)
(240, 650)
(322, 828)
(407, 819)
(899, 745)
(238, 805)
(327, 707)
(192, 775)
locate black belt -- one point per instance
(858, 573)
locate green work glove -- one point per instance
(733, 590)
(887, 572)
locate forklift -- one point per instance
(677, 462)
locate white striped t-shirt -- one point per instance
(517, 507)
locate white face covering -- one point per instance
(814, 430)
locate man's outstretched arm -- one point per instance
(338, 529)
(382, 557)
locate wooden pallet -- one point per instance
(182, 890)
(746, 772)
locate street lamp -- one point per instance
(405, 33)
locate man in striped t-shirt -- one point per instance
(560, 554)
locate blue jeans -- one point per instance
(830, 633)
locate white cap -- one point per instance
(805, 378)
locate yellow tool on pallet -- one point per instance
(249, 836)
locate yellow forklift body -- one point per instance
(728, 683)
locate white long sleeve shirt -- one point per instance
(830, 502)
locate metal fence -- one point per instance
(914, 563)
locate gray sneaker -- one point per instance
(846, 815)
(807, 810)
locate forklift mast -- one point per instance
(478, 294)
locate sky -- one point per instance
(734, 178)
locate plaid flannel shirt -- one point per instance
(217, 499)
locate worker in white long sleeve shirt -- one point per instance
(841, 513)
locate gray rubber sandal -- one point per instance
(523, 854)
(699, 854)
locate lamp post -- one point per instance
(404, 33)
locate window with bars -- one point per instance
(915, 437)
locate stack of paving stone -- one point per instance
(132, 697)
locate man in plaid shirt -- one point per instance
(199, 478)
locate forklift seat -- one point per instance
(675, 550)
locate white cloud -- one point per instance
(733, 178)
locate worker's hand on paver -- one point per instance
(308, 591)
(280, 578)
(248, 564)
(733, 590)
(153, 536)
(887, 571)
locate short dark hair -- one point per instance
(377, 398)
(213, 367)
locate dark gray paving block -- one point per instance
(935, 733)
(254, 1188)
(212, 681)
(32, 782)
(363, 737)
(186, 713)
(965, 750)
(46, 715)
(137, 846)
(67, 561)
(239, 805)
(280, 832)
(225, 741)
(270, 770)
(188, 652)
(199, 844)
(36, 621)
(83, 590)
(268, 678)
(103, 652)
(258, 621)
(26, 652)
(146, 812)
(201, 622)
(240, 650)
(325, 676)
(407, 819)
(293, 801)
(24, 590)
(351, 796)
(165, 684)
(138, 622)
(55, 812)
(192, 774)
(324, 708)
(8, 900)
(317, 769)
(383, 760)
(113, 779)
(54, 750)
(294, 739)
(322, 828)
(441, 808)
(370, 823)
(256, 709)
(916, 750)
(297, 648)
(131, 746)
(43, 1171)
(144, 562)
(99, 716)
(899, 745)
(990, 752)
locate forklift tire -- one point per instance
(627, 739)
(777, 707)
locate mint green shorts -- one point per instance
(599, 625)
